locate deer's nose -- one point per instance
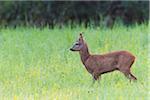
(71, 49)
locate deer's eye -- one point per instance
(77, 43)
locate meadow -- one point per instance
(36, 64)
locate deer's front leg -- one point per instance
(99, 79)
(93, 81)
(95, 77)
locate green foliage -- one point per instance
(37, 64)
(42, 13)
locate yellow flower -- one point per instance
(120, 98)
(15, 97)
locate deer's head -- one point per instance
(79, 44)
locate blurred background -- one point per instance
(51, 13)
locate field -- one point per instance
(37, 64)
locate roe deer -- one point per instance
(100, 64)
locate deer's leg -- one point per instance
(95, 77)
(99, 79)
(126, 70)
(133, 77)
(128, 74)
(93, 81)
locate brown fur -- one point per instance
(100, 64)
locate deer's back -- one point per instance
(108, 61)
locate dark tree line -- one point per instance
(51, 13)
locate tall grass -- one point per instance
(37, 64)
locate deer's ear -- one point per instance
(81, 35)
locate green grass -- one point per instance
(37, 64)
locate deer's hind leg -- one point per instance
(133, 77)
(126, 71)
(129, 75)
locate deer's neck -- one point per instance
(84, 53)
